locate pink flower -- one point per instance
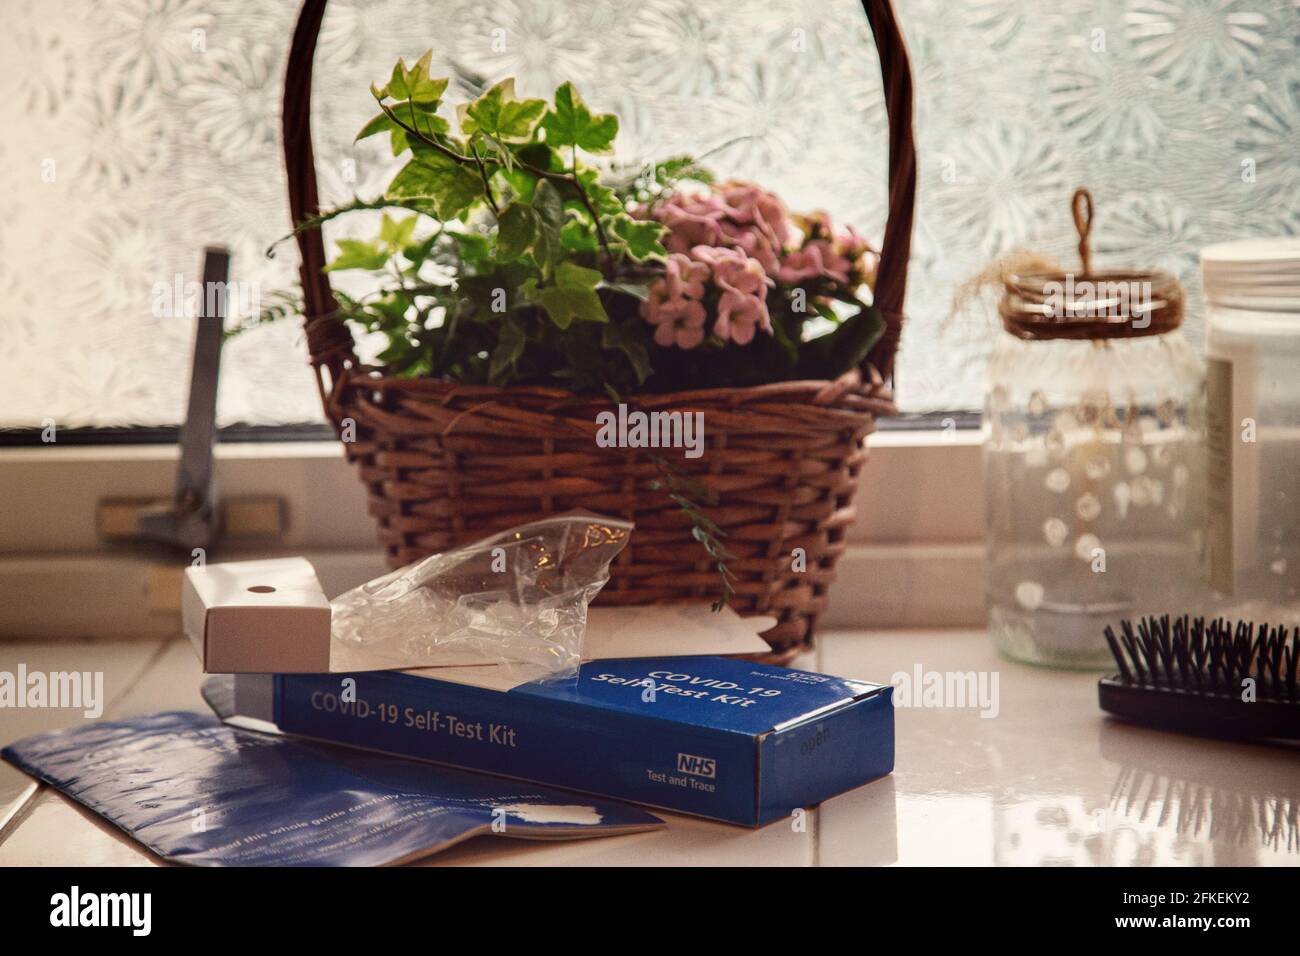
(748, 204)
(734, 214)
(816, 259)
(728, 246)
(674, 307)
(733, 270)
(691, 220)
(679, 322)
(860, 253)
(757, 222)
(739, 316)
(685, 277)
(852, 245)
(824, 254)
(742, 307)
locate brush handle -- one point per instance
(1205, 715)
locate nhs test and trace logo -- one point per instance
(696, 766)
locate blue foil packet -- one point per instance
(197, 791)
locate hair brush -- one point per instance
(1216, 678)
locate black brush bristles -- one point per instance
(1211, 677)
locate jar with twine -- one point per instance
(1093, 457)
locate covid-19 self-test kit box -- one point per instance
(710, 736)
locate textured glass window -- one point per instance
(137, 131)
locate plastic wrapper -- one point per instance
(519, 597)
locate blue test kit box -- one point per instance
(711, 736)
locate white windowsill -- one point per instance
(914, 558)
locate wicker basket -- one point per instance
(444, 463)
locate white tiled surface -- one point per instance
(1048, 780)
(123, 665)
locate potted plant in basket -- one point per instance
(508, 257)
(521, 283)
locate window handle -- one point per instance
(193, 518)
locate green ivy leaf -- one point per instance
(517, 230)
(539, 156)
(639, 237)
(570, 275)
(571, 123)
(527, 293)
(396, 235)
(417, 252)
(564, 305)
(397, 141)
(357, 254)
(834, 353)
(377, 124)
(578, 236)
(637, 290)
(550, 223)
(473, 248)
(602, 197)
(397, 87)
(623, 337)
(422, 89)
(502, 116)
(412, 83)
(510, 346)
(430, 124)
(453, 188)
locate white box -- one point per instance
(257, 617)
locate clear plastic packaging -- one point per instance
(519, 598)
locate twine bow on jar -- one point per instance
(1107, 304)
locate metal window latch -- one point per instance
(194, 517)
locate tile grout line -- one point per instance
(19, 808)
(150, 663)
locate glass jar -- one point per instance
(1093, 462)
(1252, 295)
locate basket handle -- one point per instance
(896, 247)
(330, 343)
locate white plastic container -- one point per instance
(1252, 295)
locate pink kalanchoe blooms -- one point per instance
(674, 307)
(735, 214)
(851, 244)
(678, 322)
(861, 254)
(757, 222)
(824, 254)
(817, 258)
(742, 307)
(692, 220)
(737, 240)
(740, 316)
(685, 277)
